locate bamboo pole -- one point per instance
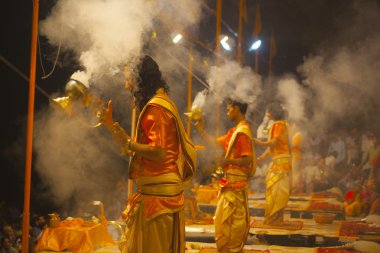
(257, 61)
(29, 136)
(240, 32)
(133, 134)
(217, 50)
(189, 87)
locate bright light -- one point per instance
(224, 43)
(177, 38)
(224, 40)
(255, 45)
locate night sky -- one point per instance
(300, 28)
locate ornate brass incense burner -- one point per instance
(78, 97)
(54, 220)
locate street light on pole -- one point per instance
(225, 44)
(255, 45)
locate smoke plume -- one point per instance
(103, 34)
(76, 161)
(294, 97)
(344, 76)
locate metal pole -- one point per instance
(29, 135)
(189, 87)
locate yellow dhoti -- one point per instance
(277, 192)
(162, 233)
(277, 179)
(151, 224)
(232, 220)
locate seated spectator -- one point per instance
(365, 196)
(353, 146)
(352, 175)
(371, 157)
(39, 225)
(352, 202)
(375, 201)
(337, 145)
(316, 178)
(6, 246)
(8, 232)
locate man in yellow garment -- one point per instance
(277, 179)
(232, 212)
(154, 216)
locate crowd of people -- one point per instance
(11, 229)
(345, 160)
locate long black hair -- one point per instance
(149, 81)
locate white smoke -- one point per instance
(233, 81)
(346, 83)
(104, 34)
(294, 97)
(200, 99)
(340, 81)
(74, 159)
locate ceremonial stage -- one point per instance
(311, 237)
(300, 233)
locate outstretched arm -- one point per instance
(272, 142)
(241, 161)
(208, 138)
(263, 155)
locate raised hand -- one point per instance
(105, 116)
(199, 125)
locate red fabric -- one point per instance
(375, 161)
(242, 147)
(158, 130)
(336, 250)
(354, 228)
(350, 195)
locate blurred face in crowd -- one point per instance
(8, 231)
(268, 114)
(6, 243)
(41, 221)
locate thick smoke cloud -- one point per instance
(340, 81)
(103, 34)
(294, 97)
(229, 80)
(77, 161)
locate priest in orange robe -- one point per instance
(277, 179)
(154, 216)
(232, 212)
